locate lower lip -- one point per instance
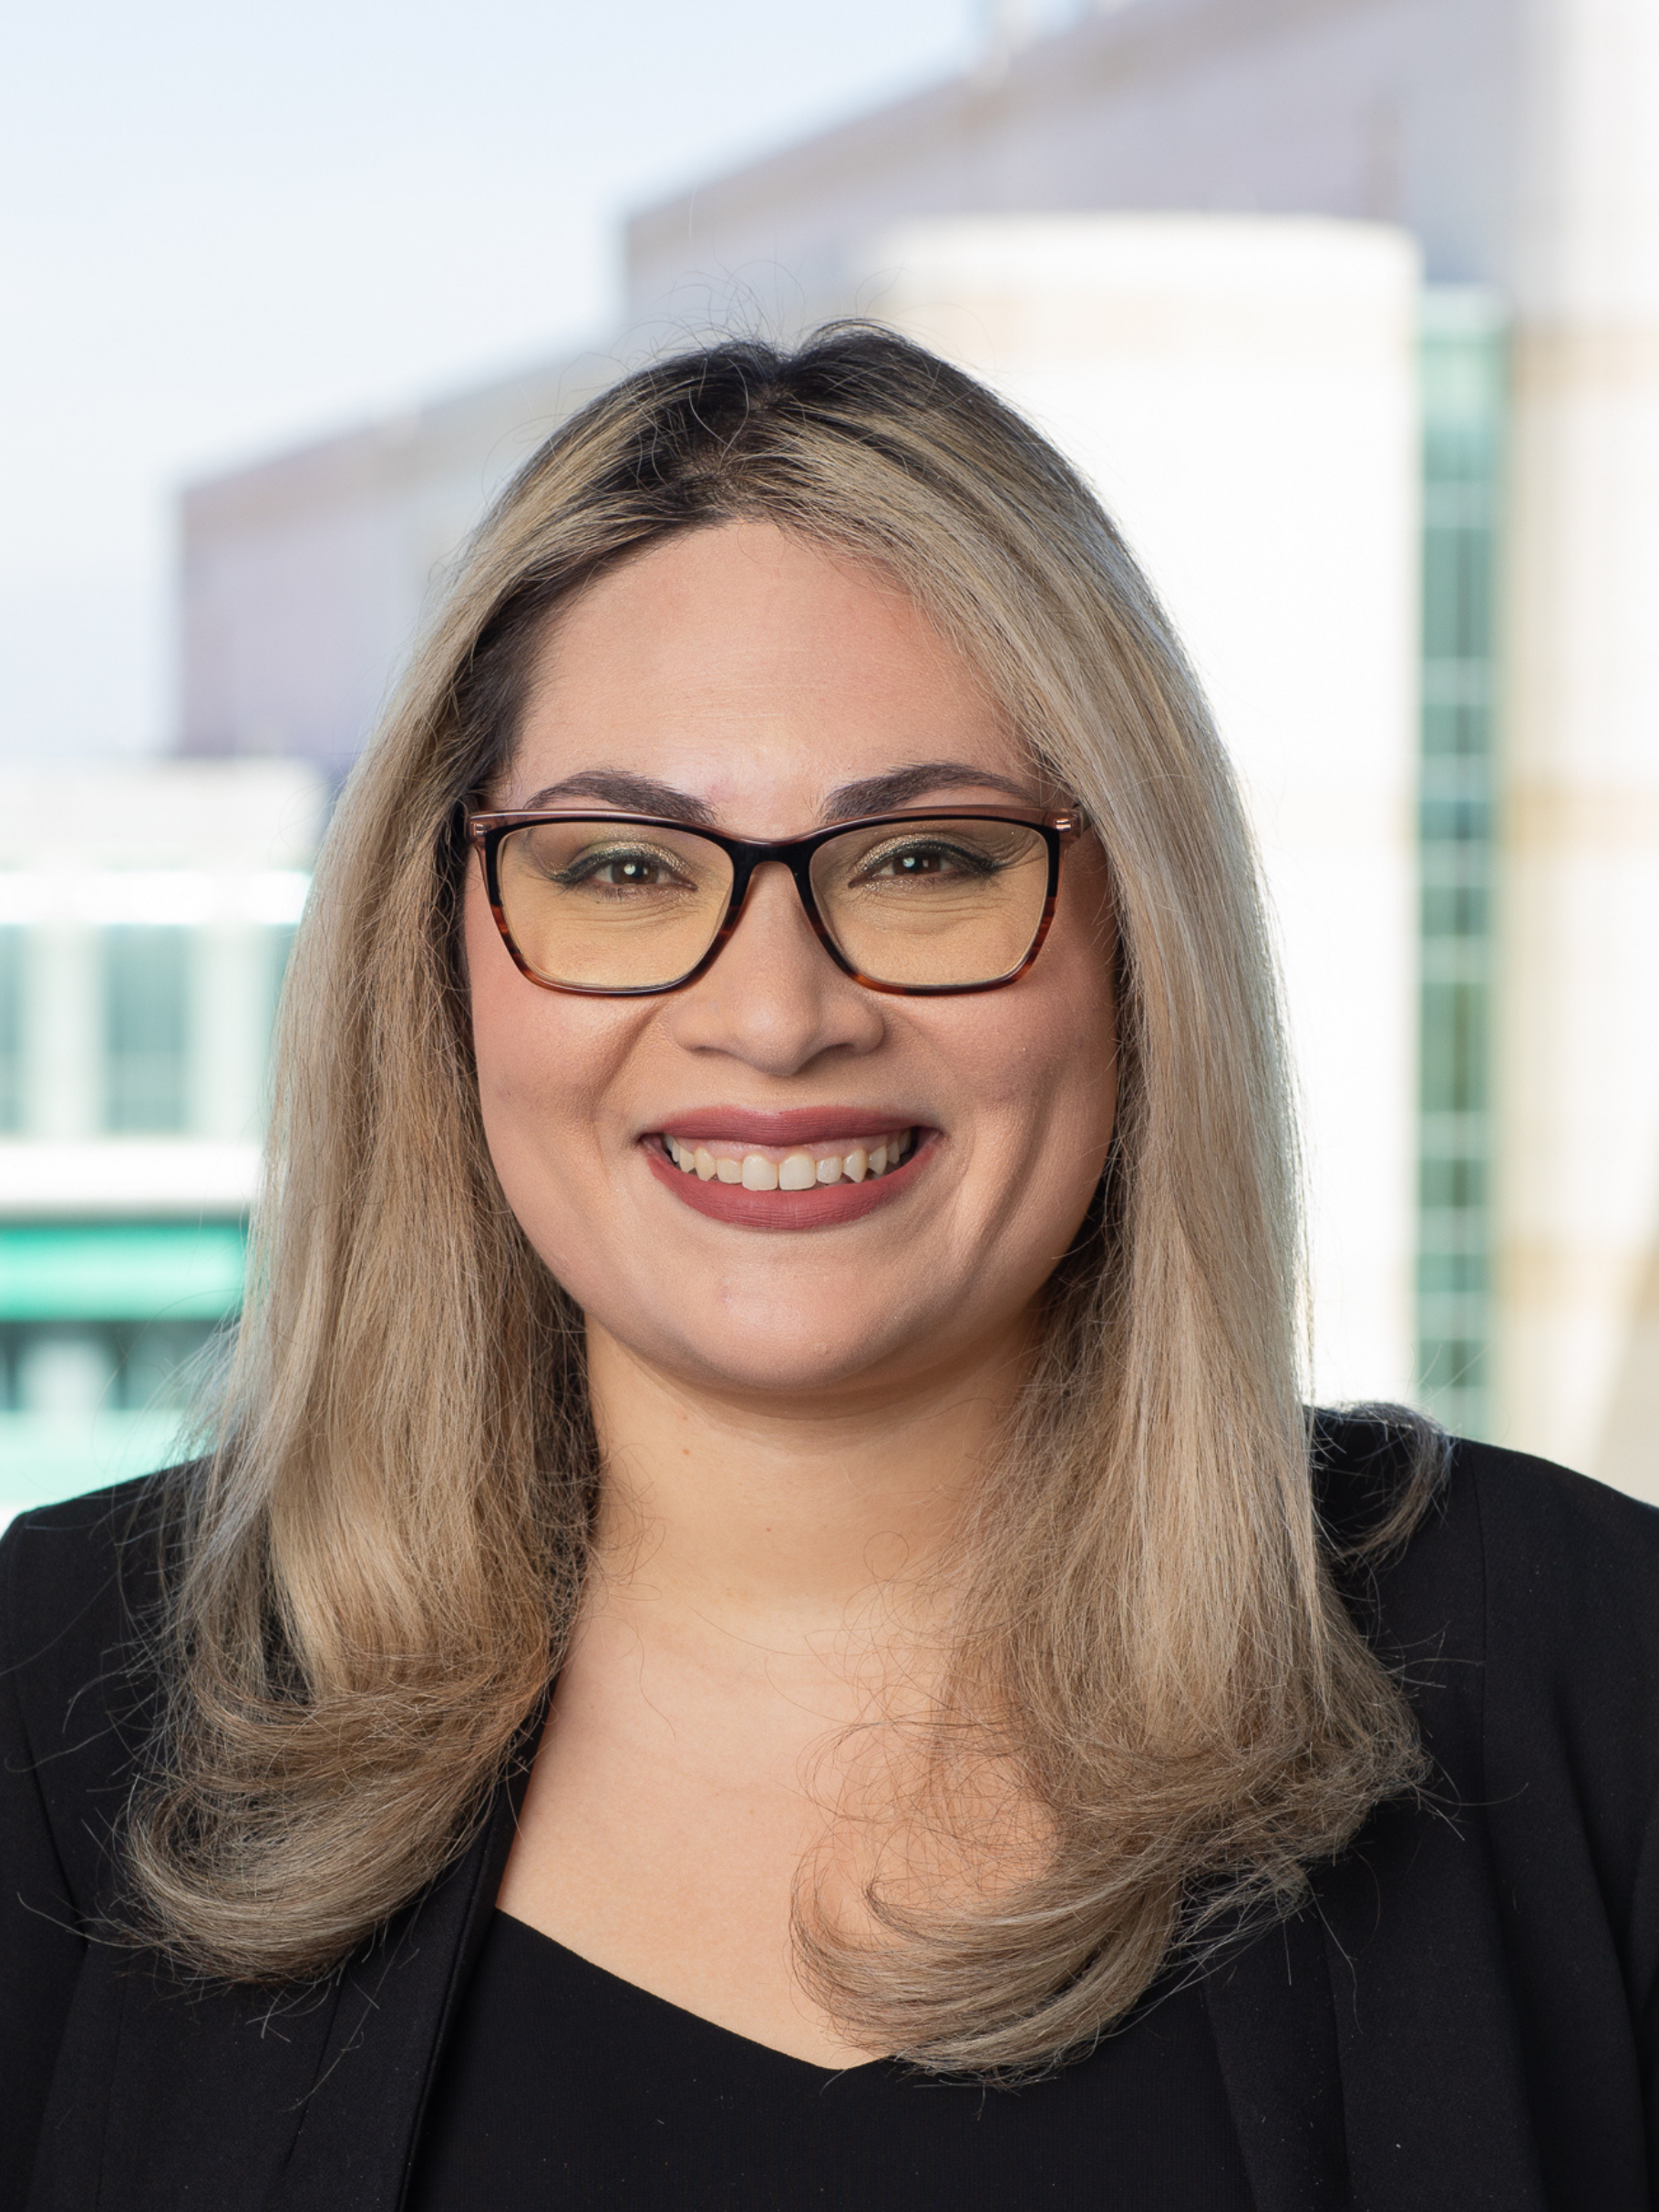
(827, 1206)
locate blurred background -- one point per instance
(1350, 310)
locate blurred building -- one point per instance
(1351, 309)
(146, 910)
(303, 578)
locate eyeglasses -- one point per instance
(624, 905)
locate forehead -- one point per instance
(757, 672)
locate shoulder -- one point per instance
(77, 1577)
(1578, 1555)
(1570, 1646)
(80, 1585)
(1499, 1529)
(1523, 1614)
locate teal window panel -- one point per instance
(146, 1029)
(1460, 1273)
(1456, 1036)
(84, 1403)
(119, 1271)
(66, 1367)
(47, 1457)
(1464, 371)
(12, 945)
(1461, 1184)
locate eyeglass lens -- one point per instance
(607, 906)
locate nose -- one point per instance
(774, 999)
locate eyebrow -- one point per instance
(629, 794)
(903, 787)
(632, 794)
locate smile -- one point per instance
(758, 1169)
(795, 1171)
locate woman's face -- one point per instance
(777, 689)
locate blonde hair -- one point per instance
(380, 1563)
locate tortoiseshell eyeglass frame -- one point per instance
(485, 831)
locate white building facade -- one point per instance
(146, 911)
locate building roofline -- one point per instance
(1064, 68)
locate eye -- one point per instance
(918, 860)
(622, 869)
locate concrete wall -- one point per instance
(1578, 1254)
(305, 578)
(1393, 111)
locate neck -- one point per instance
(783, 1524)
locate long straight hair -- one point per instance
(378, 1565)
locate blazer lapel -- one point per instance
(357, 2136)
(1434, 2077)
(1275, 2033)
(238, 2100)
(167, 2096)
(1434, 2080)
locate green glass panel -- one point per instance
(166, 1272)
(12, 943)
(47, 1457)
(1464, 367)
(146, 1028)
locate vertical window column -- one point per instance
(1464, 363)
(62, 1030)
(14, 946)
(230, 1029)
(147, 995)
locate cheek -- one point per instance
(1049, 1077)
(1050, 1044)
(1080, 1013)
(1033, 1076)
(543, 1061)
(504, 1031)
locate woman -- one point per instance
(763, 1562)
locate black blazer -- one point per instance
(1468, 2017)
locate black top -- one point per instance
(1467, 2016)
(563, 2085)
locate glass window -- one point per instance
(12, 944)
(82, 1368)
(146, 1029)
(1463, 366)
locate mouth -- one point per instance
(799, 1169)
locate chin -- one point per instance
(777, 1361)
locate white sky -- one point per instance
(229, 223)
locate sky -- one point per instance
(226, 225)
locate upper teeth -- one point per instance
(797, 1170)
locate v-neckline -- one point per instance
(700, 2020)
